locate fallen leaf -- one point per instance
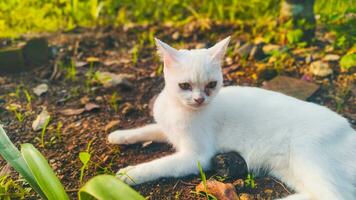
(40, 89)
(111, 125)
(40, 120)
(91, 106)
(222, 191)
(72, 111)
(245, 196)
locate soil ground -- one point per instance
(115, 50)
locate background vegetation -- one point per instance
(23, 16)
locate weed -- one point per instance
(250, 181)
(134, 54)
(59, 130)
(19, 116)
(71, 71)
(114, 100)
(203, 178)
(10, 189)
(85, 157)
(177, 195)
(44, 128)
(28, 99)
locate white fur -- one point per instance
(307, 146)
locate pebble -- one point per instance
(319, 68)
(230, 165)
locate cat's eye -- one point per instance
(211, 85)
(185, 86)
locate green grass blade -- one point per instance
(104, 187)
(43, 173)
(13, 156)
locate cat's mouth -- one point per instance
(195, 106)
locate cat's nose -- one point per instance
(199, 100)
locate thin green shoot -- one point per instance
(59, 130)
(28, 99)
(19, 116)
(250, 181)
(10, 189)
(134, 54)
(44, 128)
(85, 157)
(114, 99)
(71, 71)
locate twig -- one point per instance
(280, 183)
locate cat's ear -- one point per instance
(218, 50)
(168, 54)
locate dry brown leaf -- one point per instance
(91, 106)
(72, 111)
(222, 191)
(111, 125)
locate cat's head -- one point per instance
(194, 76)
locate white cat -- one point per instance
(307, 146)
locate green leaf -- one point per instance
(43, 173)
(13, 156)
(295, 36)
(348, 61)
(84, 157)
(105, 187)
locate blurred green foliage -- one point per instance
(22, 16)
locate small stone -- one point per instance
(245, 196)
(40, 89)
(40, 120)
(331, 57)
(320, 68)
(175, 35)
(108, 79)
(229, 165)
(99, 99)
(292, 87)
(222, 191)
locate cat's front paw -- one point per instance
(118, 137)
(128, 175)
